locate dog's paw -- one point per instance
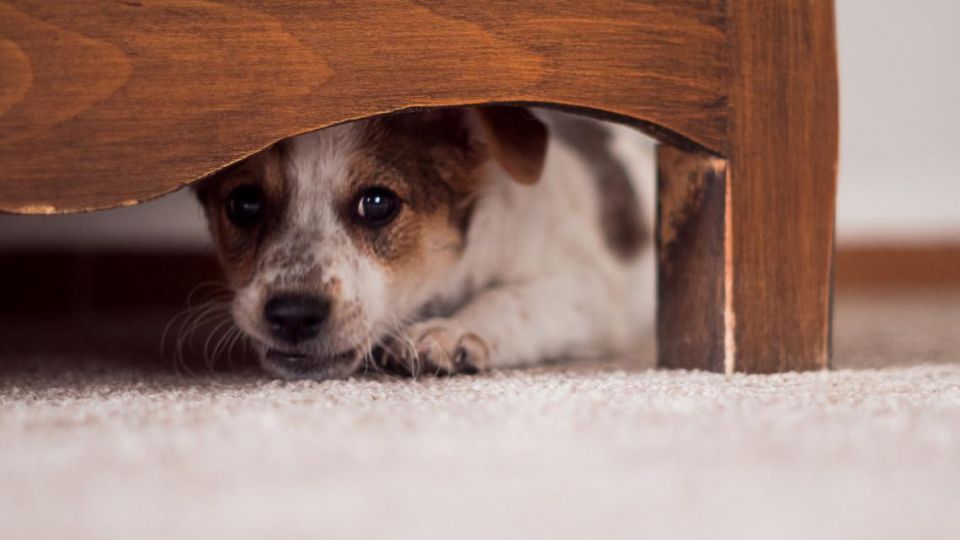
(435, 347)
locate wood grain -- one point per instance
(746, 244)
(107, 103)
(782, 148)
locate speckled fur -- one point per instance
(477, 271)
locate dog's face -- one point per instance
(333, 238)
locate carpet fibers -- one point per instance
(100, 439)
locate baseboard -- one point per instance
(64, 282)
(898, 267)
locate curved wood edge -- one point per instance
(111, 104)
(653, 130)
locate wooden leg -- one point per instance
(731, 294)
(746, 243)
(783, 157)
(692, 330)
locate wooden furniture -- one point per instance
(105, 104)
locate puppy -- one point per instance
(437, 242)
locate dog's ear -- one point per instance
(512, 136)
(515, 138)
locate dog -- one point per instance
(441, 241)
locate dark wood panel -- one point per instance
(106, 103)
(692, 251)
(70, 283)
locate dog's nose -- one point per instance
(294, 318)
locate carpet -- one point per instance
(100, 438)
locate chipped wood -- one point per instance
(692, 308)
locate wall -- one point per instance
(174, 222)
(900, 103)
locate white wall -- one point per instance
(900, 116)
(900, 120)
(173, 222)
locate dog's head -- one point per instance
(332, 238)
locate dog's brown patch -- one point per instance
(238, 249)
(621, 219)
(517, 140)
(432, 159)
(432, 162)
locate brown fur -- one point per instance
(517, 140)
(238, 250)
(621, 218)
(433, 160)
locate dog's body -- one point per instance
(435, 242)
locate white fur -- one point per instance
(559, 291)
(316, 166)
(535, 281)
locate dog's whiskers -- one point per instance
(221, 341)
(226, 343)
(241, 338)
(194, 322)
(188, 322)
(210, 359)
(399, 336)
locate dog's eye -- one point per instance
(377, 206)
(244, 205)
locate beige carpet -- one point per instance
(99, 439)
